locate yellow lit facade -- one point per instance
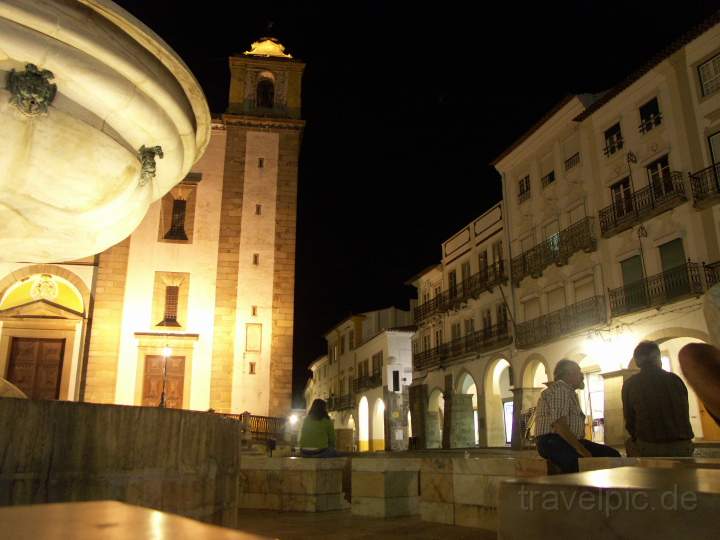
(196, 305)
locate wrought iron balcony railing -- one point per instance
(338, 403)
(479, 341)
(367, 381)
(661, 195)
(712, 273)
(557, 249)
(572, 161)
(705, 184)
(472, 287)
(655, 291)
(523, 196)
(559, 323)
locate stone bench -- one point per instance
(291, 484)
(598, 463)
(626, 502)
(460, 491)
(385, 487)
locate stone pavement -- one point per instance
(342, 524)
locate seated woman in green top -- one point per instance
(317, 438)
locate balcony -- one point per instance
(557, 249)
(483, 340)
(338, 403)
(523, 196)
(663, 194)
(561, 322)
(471, 287)
(427, 309)
(705, 186)
(655, 291)
(367, 382)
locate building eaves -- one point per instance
(422, 273)
(665, 53)
(537, 125)
(410, 329)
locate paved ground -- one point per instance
(342, 525)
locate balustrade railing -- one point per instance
(657, 290)
(557, 249)
(706, 183)
(561, 322)
(472, 287)
(262, 428)
(478, 341)
(366, 382)
(338, 403)
(663, 193)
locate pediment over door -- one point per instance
(40, 309)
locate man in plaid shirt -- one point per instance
(560, 422)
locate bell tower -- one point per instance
(253, 331)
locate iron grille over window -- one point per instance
(524, 189)
(650, 116)
(548, 179)
(613, 140)
(572, 161)
(172, 294)
(177, 227)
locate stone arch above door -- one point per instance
(54, 270)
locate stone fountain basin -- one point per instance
(71, 183)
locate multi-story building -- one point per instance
(611, 215)
(460, 367)
(365, 376)
(195, 307)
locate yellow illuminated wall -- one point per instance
(42, 287)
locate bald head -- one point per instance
(569, 371)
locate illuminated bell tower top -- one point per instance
(265, 81)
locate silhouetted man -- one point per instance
(655, 405)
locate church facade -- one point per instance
(195, 308)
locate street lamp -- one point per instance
(166, 352)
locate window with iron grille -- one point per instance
(709, 73)
(650, 116)
(177, 226)
(613, 140)
(524, 188)
(548, 179)
(172, 295)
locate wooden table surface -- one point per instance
(106, 520)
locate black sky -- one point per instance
(406, 104)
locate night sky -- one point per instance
(405, 106)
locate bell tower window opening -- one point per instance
(177, 226)
(265, 97)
